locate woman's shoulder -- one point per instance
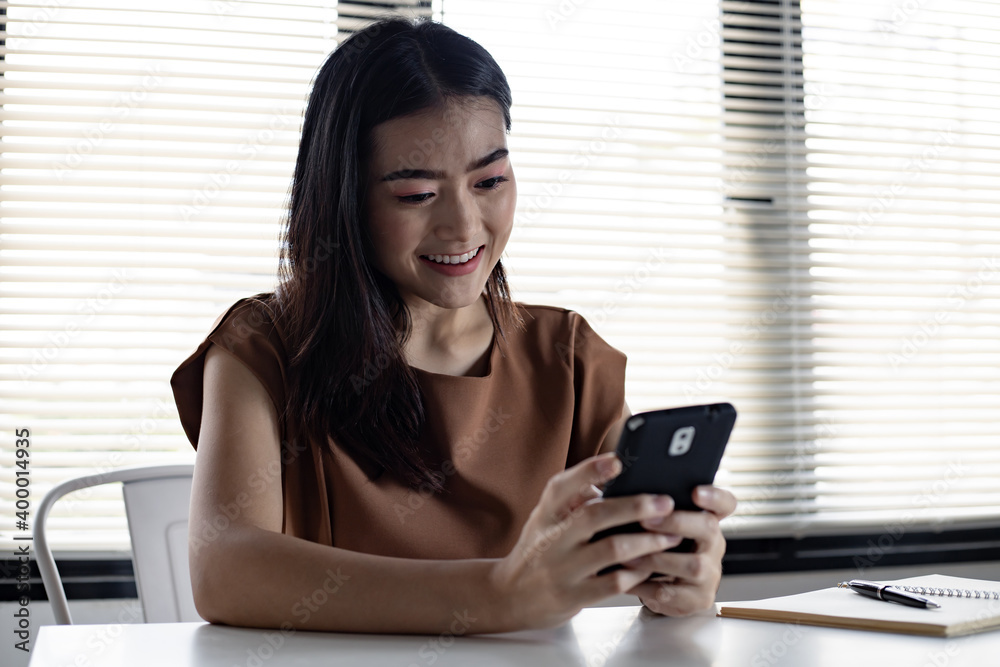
(251, 316)
(566, 331)
(258, 308)
(548, 327)
(247, 330)
(545, 317)
(542, 308)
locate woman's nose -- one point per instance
(462, 220)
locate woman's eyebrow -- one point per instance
(498, 154)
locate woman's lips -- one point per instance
(455, 269)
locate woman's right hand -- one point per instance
(551, 574)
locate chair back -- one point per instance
(157, 499)
(157, 510)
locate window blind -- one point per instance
(893, 211)
(145, 161)
(775, 205)
(788, 207)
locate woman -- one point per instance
(387, 442)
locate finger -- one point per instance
(598, 588)
(686, 568)
(606, 513)
(673, 599)
(586, 495)
(573, 487)
(720, 502)
(616, 549)
(699, 526)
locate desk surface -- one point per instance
(596, 637)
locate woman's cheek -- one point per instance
(512, 201)
(507, 214)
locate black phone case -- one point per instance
(648, 466)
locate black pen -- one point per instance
(887, 593)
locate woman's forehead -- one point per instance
(465, 131)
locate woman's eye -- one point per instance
(415, 199)
(494, 182)
(490, 184)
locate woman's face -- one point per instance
(441, 187)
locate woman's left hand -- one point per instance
(692, 578)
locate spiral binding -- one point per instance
(951, 592)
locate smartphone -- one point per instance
(669, 452)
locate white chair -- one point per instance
(157, 499)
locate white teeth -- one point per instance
(453, 259)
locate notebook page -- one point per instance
(854, 610)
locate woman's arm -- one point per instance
(244, 571)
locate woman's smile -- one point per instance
(454, 265)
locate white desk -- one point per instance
(596, 637)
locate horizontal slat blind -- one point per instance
(696, 179)
(901, 137)
(793, 210)
(146, 158)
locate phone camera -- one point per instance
(681, 442)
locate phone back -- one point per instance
(672, 451)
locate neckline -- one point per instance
(490, 365)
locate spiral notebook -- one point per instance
(961, 612)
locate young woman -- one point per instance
(388, 443)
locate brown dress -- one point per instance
(547, 401)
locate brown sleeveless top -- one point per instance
(549, 398)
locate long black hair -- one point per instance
(344, 320)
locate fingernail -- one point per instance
(610, 467)
(663, 503)
(655, 521)
(672, 540)
(705, 494)
(633, 562)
